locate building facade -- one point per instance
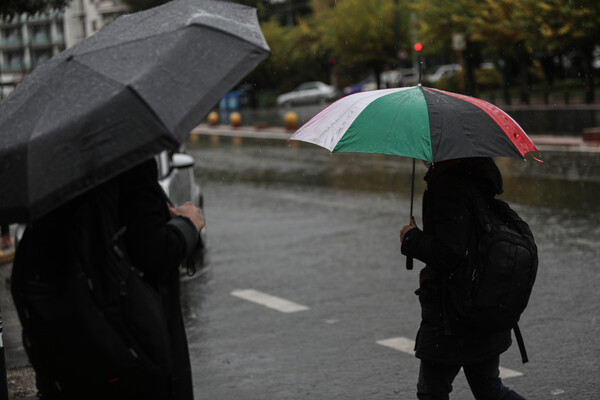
(26, 41)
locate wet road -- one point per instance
(308, 284)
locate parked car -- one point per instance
(366, 84)
(409, 77)
(233, 100)
(387, 79)
(309, 92)
(176, 177)
(443, 72)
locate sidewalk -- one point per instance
(542, 142)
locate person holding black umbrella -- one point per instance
(64, 344)
(443, 344)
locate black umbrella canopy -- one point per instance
(133, 89)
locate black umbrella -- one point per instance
(131, 90)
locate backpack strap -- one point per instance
(521, 343)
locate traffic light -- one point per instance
(418, 46)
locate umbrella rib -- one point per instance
(129, 87)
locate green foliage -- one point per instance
(359, 34)
(517, 26)
(488, 78)
(360, 31)
(296, 57)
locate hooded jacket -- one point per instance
(448, 223)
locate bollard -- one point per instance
(213, 118)
(235, 119)
(291, 121)
(591, 136)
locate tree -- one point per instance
(504, 23)
(296, 56)
(568, 26)
(439, 20)
(516, 30)
(361, 33)
(11, 8)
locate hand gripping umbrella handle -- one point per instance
(409, 260)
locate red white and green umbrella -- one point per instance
(418, 122)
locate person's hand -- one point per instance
(407, 228)
(190, 211)
(7, 242)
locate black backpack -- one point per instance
(94, 325)
(491, 288)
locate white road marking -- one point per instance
(276, 303)
(509, 373)
(406, 345)
(399, 343)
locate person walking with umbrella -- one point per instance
(456, 134)
(443, 344)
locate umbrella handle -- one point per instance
(409, 263)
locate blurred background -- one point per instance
(509, 52)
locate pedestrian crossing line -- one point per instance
(402, 344)
(406, 345)
(273, 302)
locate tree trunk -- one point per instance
(588, 73)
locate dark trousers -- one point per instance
(435, 381)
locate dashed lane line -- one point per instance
(406, 345)
(273, 302)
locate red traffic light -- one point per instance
(418, 47)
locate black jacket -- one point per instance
(157, 245)
(442, 245)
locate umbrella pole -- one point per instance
(409, 260)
